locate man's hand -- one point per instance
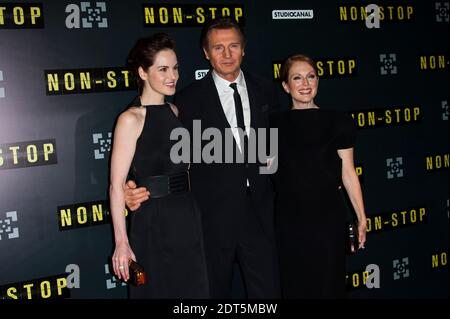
(135, 196)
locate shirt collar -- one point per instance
(224, 85)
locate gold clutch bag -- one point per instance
(138, 276)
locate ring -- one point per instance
(121, 267)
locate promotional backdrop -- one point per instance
(63, 83)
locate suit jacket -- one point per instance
(220, 188)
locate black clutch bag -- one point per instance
(138, 276)
(352, 238)
(351, 231)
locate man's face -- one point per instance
(225, 51)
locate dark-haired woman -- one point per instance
(165, 234)
(315, 161)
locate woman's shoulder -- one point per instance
(131, 116)
(343, 116)
(277, 116)
(173, 108)
(339, 115)
(344, 123)
(330, 112)
(278, 113)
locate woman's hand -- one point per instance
(122, 254)
(362, 229)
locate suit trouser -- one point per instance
(251, 248)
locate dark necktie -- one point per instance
(240, 119)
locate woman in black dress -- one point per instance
(315, 160)
(165, 233)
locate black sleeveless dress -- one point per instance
(309, 214)
(166, 232)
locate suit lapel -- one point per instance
(212, 105)
(251, 99)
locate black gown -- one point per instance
(310, 216)
(166, 233)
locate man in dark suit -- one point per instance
(236, 201)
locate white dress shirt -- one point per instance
(227, 101)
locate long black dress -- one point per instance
(166, 233)
(310, 215)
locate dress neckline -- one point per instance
(156, 105)
(305, 110)
(309, 109)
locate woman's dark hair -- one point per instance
(287, 64)
(222, 23)
(144, 51)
